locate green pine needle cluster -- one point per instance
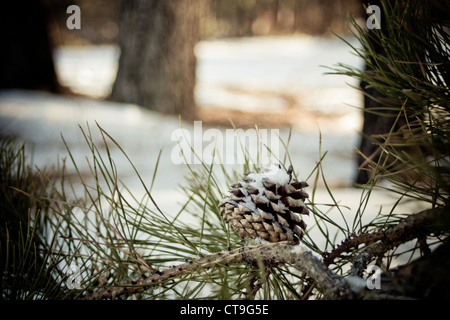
(409, 79)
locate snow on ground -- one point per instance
(230, 74)
(285, 64)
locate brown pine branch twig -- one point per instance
(332, 285)
(256, 281)
(412, 227)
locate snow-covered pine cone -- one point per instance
(267, 205)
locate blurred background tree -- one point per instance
(26, 56)
(157, 65)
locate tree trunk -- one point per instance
(373, 124)
(157, 65)
(26, 60)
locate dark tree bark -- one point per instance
(157, 64)
(26, 60)
(373, 124)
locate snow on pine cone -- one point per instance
(267, 205)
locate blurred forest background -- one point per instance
(221, 18)
(146, 55)
(156, 39)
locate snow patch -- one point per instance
(248, 203)
(298, 249)
(356, 282)
(274, 173)
(259, 241)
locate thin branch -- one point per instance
(332, 285)
(256, 281)
(351, 243)
(414, 226)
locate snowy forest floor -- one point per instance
(277, 81)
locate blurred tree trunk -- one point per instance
(157, 64)
(26, 60)
(373, 124)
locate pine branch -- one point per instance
(414, 226)
(332, 285)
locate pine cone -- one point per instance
(267, 205)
